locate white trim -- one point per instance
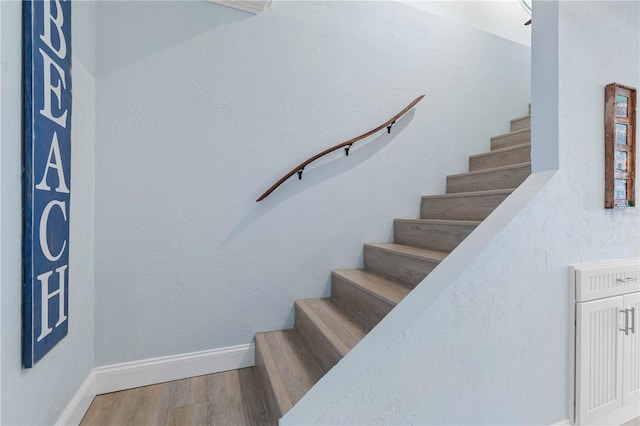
(76, 409)
(127, 375)
(255, 6)
(134, 374)
(565, 422)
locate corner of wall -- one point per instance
(544, 86)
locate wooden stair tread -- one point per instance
(471, 193)
(450, 222)
(333, 323)
(374, 284)
(493, 169)
(417, 253)
(471, 205)
(290, 368)
(510, 134)
(432, 234)
(524, 117)
(501, 150)
(516, 137)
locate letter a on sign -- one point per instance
(47, 175)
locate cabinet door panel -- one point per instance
(598, 358)
(631, 368)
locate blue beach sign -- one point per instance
(47, 174)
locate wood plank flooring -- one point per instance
(230, 398)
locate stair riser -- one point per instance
(406, 270)
(271, 405)
(365, 308)
(460, 208)
(498, 159)
(500, 179)
(507, 141)
(430, 236)
(520, 123)
(326, 355)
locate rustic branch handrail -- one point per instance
(346, 145)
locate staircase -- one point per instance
(289, 362)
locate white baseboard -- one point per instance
(72, 415)
(565, 422)
(127, 375)
(134, 374)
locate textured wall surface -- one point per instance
(492, 347)
(503, 18)
(196, 120)
(38, 395)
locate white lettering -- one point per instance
(54, 154)
(45, 296)
(44, 219)
(57, 21)
(49, 88)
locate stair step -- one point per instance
(518, 137)
(286, 369)
(495, 178)
(432, 234)
(501, 157)
(520, 123)
(326, 329)
(404, 264)
(475, 205)
(367, 297)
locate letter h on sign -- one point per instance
(47, 174)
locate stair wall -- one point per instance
(488, 343)
(219, 105)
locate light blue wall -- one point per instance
(198, 119)
(492, 346)
(39, 395)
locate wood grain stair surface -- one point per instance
(476, 205)
(501, 157)
(285, 368)
(326, 329)
(495, 178)
(520, 123)
(289, 362)
(367, 297)
(404, 264)
(432, 234)
(509, 139)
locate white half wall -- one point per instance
(198, 119)
(493, 346)
(39, 395)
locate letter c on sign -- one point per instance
(44, 219)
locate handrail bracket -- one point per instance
(390, 126)
(346, 149)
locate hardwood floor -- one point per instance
(229, 398)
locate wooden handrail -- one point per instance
(346, 145)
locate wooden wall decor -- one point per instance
(620, 146)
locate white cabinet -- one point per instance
(605, 344)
